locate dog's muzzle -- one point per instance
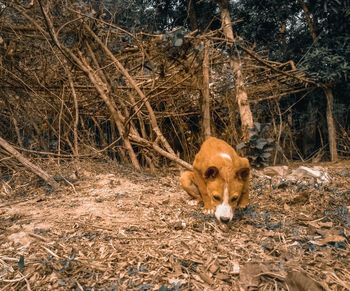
(224, 213)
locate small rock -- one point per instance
(179, 225)
(344, 173)
(99, 199)
(236, 268)
(267, 245)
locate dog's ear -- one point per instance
(211, 173)
(243, 174)
(244, 170)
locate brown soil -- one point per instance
(117, 229)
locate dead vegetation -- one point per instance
(77, 92)
(73, 84)
(117, 229)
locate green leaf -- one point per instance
(266, 155)
(269, 149)
(261, 143)
(257, 126)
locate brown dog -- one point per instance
(220, 178)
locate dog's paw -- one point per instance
(209, 211)
(193, 202)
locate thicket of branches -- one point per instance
(74, 84)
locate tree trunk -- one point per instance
(191, 8)
(235, 63)
(205, 106)
(330, 123)
(312, 28)
(76, 116)
(327, 90)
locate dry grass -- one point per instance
(117, 229)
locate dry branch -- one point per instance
(206, 93)
(144, 92)
(162, 152)
(28, 164)
(121, 68)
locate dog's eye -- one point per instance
(233, 199)
(217, 198)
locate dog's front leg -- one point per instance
(207, 203)
(202, 186)
(208, 206)
(189, 185)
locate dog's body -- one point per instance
(220, 178)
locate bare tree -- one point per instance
(327, 89)
(235, 63)
(205, 104)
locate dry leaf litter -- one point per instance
(112, 228)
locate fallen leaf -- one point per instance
(332, 238)
(276, 171)
(297, 281)
(205, 277)
(249, 275)
(313, 223)
(222, 276)
(213, 268)
(303, 217)
(286, 207)
(198, 278)
(328, 224)
(303, 197)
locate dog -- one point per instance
(220, 178)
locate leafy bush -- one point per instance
(259, 148)
(329, 64)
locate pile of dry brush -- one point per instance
(75, 85)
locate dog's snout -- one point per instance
(223, 213)
(224, 219)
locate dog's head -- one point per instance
(227, 186)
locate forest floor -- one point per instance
(118, 229)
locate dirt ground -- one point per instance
(112, 228)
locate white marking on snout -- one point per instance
(226, 156)
(224, 210)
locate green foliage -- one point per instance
(159, 16)
(262, 23)
(328, 58)
(329, 64)
(259, 148)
